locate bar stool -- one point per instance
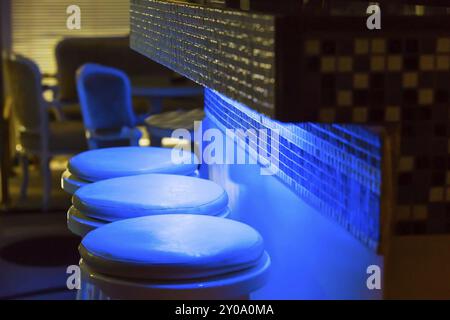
(101, 164)
(102, 202)
(178, 256)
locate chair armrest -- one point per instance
(56, 108)
(54, 104)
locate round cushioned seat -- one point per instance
(144, 195)
(180, 250)
(101, 164)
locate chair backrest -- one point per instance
(72, 53)
(24, 88)
(105, 98)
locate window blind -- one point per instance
(38, 25)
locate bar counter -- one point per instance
(363, 117)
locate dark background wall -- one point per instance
(4, 19)
(1, 50)
(5, 40)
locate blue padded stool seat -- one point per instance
(174, 256)
(144, 195)
(100, 164)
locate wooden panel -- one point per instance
(418, 267)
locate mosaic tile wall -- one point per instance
(304, 65)
(230, 51)
(376, 80)
(325, 69)
(334, 168)
(395, 81)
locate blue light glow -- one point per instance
(334, 168)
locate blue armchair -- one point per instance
(105, 99)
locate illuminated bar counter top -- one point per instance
(363, 115)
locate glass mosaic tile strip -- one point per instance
(334, 168)
(304, 67)
(227, 50)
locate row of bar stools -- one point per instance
(157, 235)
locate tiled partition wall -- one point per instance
(394, 81)
(202, 43)
(334, 168)
(326, 69)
